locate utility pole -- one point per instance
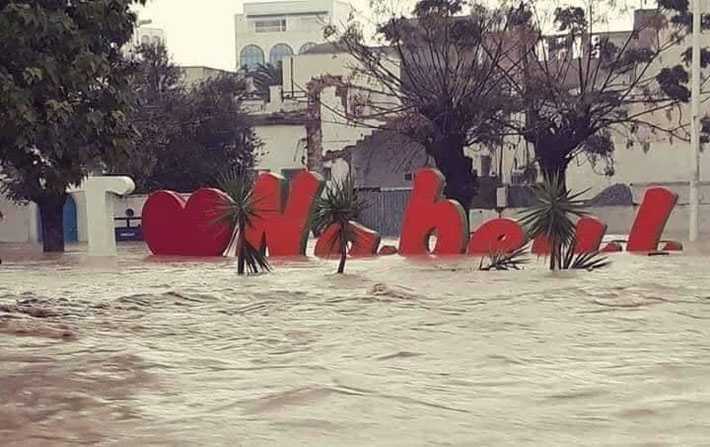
(695, 125)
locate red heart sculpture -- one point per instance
(173, 226)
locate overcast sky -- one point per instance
(202, 32)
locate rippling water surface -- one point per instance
(139, 351)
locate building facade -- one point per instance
(192, 76)
(145, 35)
(269, 32)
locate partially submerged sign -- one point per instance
(173, 226)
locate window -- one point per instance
(270, 25)
(145, 40)
(408, 176)
(156, 40)
(327, 174)
(279, 52)
(251, 56)
(306, 46)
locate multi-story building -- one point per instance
(269, 32)
(144, 35)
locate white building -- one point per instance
(193, 75)
(269, 32)
(145, 35)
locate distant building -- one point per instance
(269, 32)
(144, 35)
(192, 76)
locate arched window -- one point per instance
(145, 40)
(156, 40)
(306, 46)
(279, 52)
(251, 56)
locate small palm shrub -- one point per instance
(500, 260)
(552, 217)
(338, 205)
(240, 210)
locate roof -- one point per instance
(325, 48)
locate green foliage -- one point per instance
(551, 218)
(582, 261)
(185, 135)
(64, 97)
(240, 212)
(265, 76)
(339, 205)
(498, 260)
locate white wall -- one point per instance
(338, 132)
(82, 225)
(19, 223)
(284, 147)
(299, 70)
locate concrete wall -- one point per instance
(337, 131)
(385, 159)
(284, 147)
(299, 70)
(19, 223)
(191, 77)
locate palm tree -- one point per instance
(551, 217)
(339, 205)
(265, 76)
(501, 260)
(240, 210)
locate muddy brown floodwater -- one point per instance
(144, 352)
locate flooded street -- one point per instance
(140, 351)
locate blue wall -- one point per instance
(71, 228)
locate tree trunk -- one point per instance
(51, 211)
(555, 168)
(461, 181)
(343, 248)
(552, 159)
(241, 248)
(314, 134)
(552, 169)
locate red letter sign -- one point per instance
(365, 244)
(651, 219)
(283, 227)
(589, 233)
(427, 213)
(497, 236)
(173, 227)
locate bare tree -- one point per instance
(580, 91)
(435, 78)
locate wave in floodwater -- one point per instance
(145, 351)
